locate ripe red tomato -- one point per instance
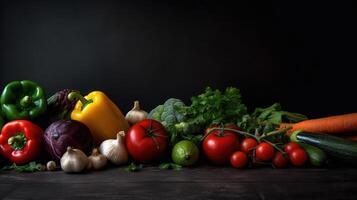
(219, 145)
(239, 159)
(298, 157)
(248, 144)
(291, 146)
(264, 151)
(279, 160)
(146, 141)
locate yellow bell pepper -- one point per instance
(99, 114)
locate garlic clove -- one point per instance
(51, 166)
(97, 160)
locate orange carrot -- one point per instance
(330, 125)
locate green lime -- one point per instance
(185, 153)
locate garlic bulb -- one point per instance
(74, 161)
(114, 149)
(136, 114)
(98, 160)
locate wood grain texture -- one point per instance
(198, 183)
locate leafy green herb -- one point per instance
(134, 167)
(170, 166)
(264, 120)
(30, 167)
(215, 106)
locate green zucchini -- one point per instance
(317, 157)
(338, 148)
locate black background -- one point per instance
(302, 55)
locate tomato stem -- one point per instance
(150, 132)
(233, 130)
(274, 145)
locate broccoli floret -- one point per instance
(156, 113)
(172, 102)
(182, 126)
(179, 117)
(169, 117)
(167, 113)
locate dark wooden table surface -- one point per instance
(197, 183)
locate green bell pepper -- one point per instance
(23, 100)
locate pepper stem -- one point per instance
(18, 141)
(26, 101)
(74, 96)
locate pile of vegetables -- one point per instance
(78, 133)
(188, 122)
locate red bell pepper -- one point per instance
(20, 141)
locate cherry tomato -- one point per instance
(146, 141)
(291, 146)
(264, 151)
(248, 144)
(298, 157)
(279, 160)
(219, 145)
(239, 159)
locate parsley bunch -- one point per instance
(214, 106)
